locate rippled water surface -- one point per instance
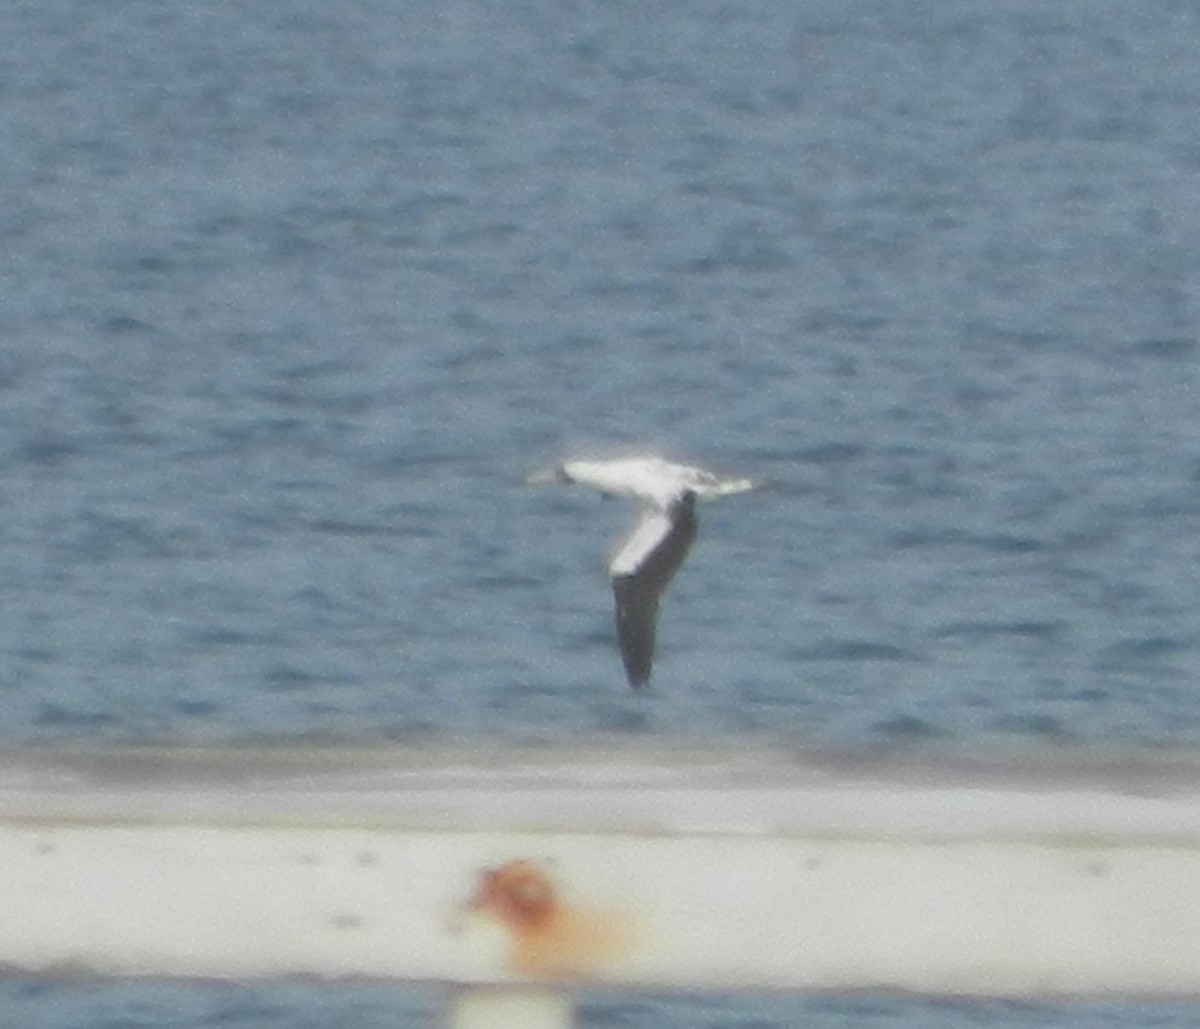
(293, 295)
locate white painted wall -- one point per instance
(1015, 877)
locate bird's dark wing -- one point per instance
(637, 592)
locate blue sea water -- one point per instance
(293, 295)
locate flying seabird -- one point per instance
(646, 561)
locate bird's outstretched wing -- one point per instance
(641, 571)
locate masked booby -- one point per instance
(646, 561)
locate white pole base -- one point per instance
(510, 1007)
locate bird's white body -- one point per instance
(653, 481)
(648, 558)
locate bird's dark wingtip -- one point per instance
(637, 672)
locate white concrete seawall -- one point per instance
(1023, 874)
